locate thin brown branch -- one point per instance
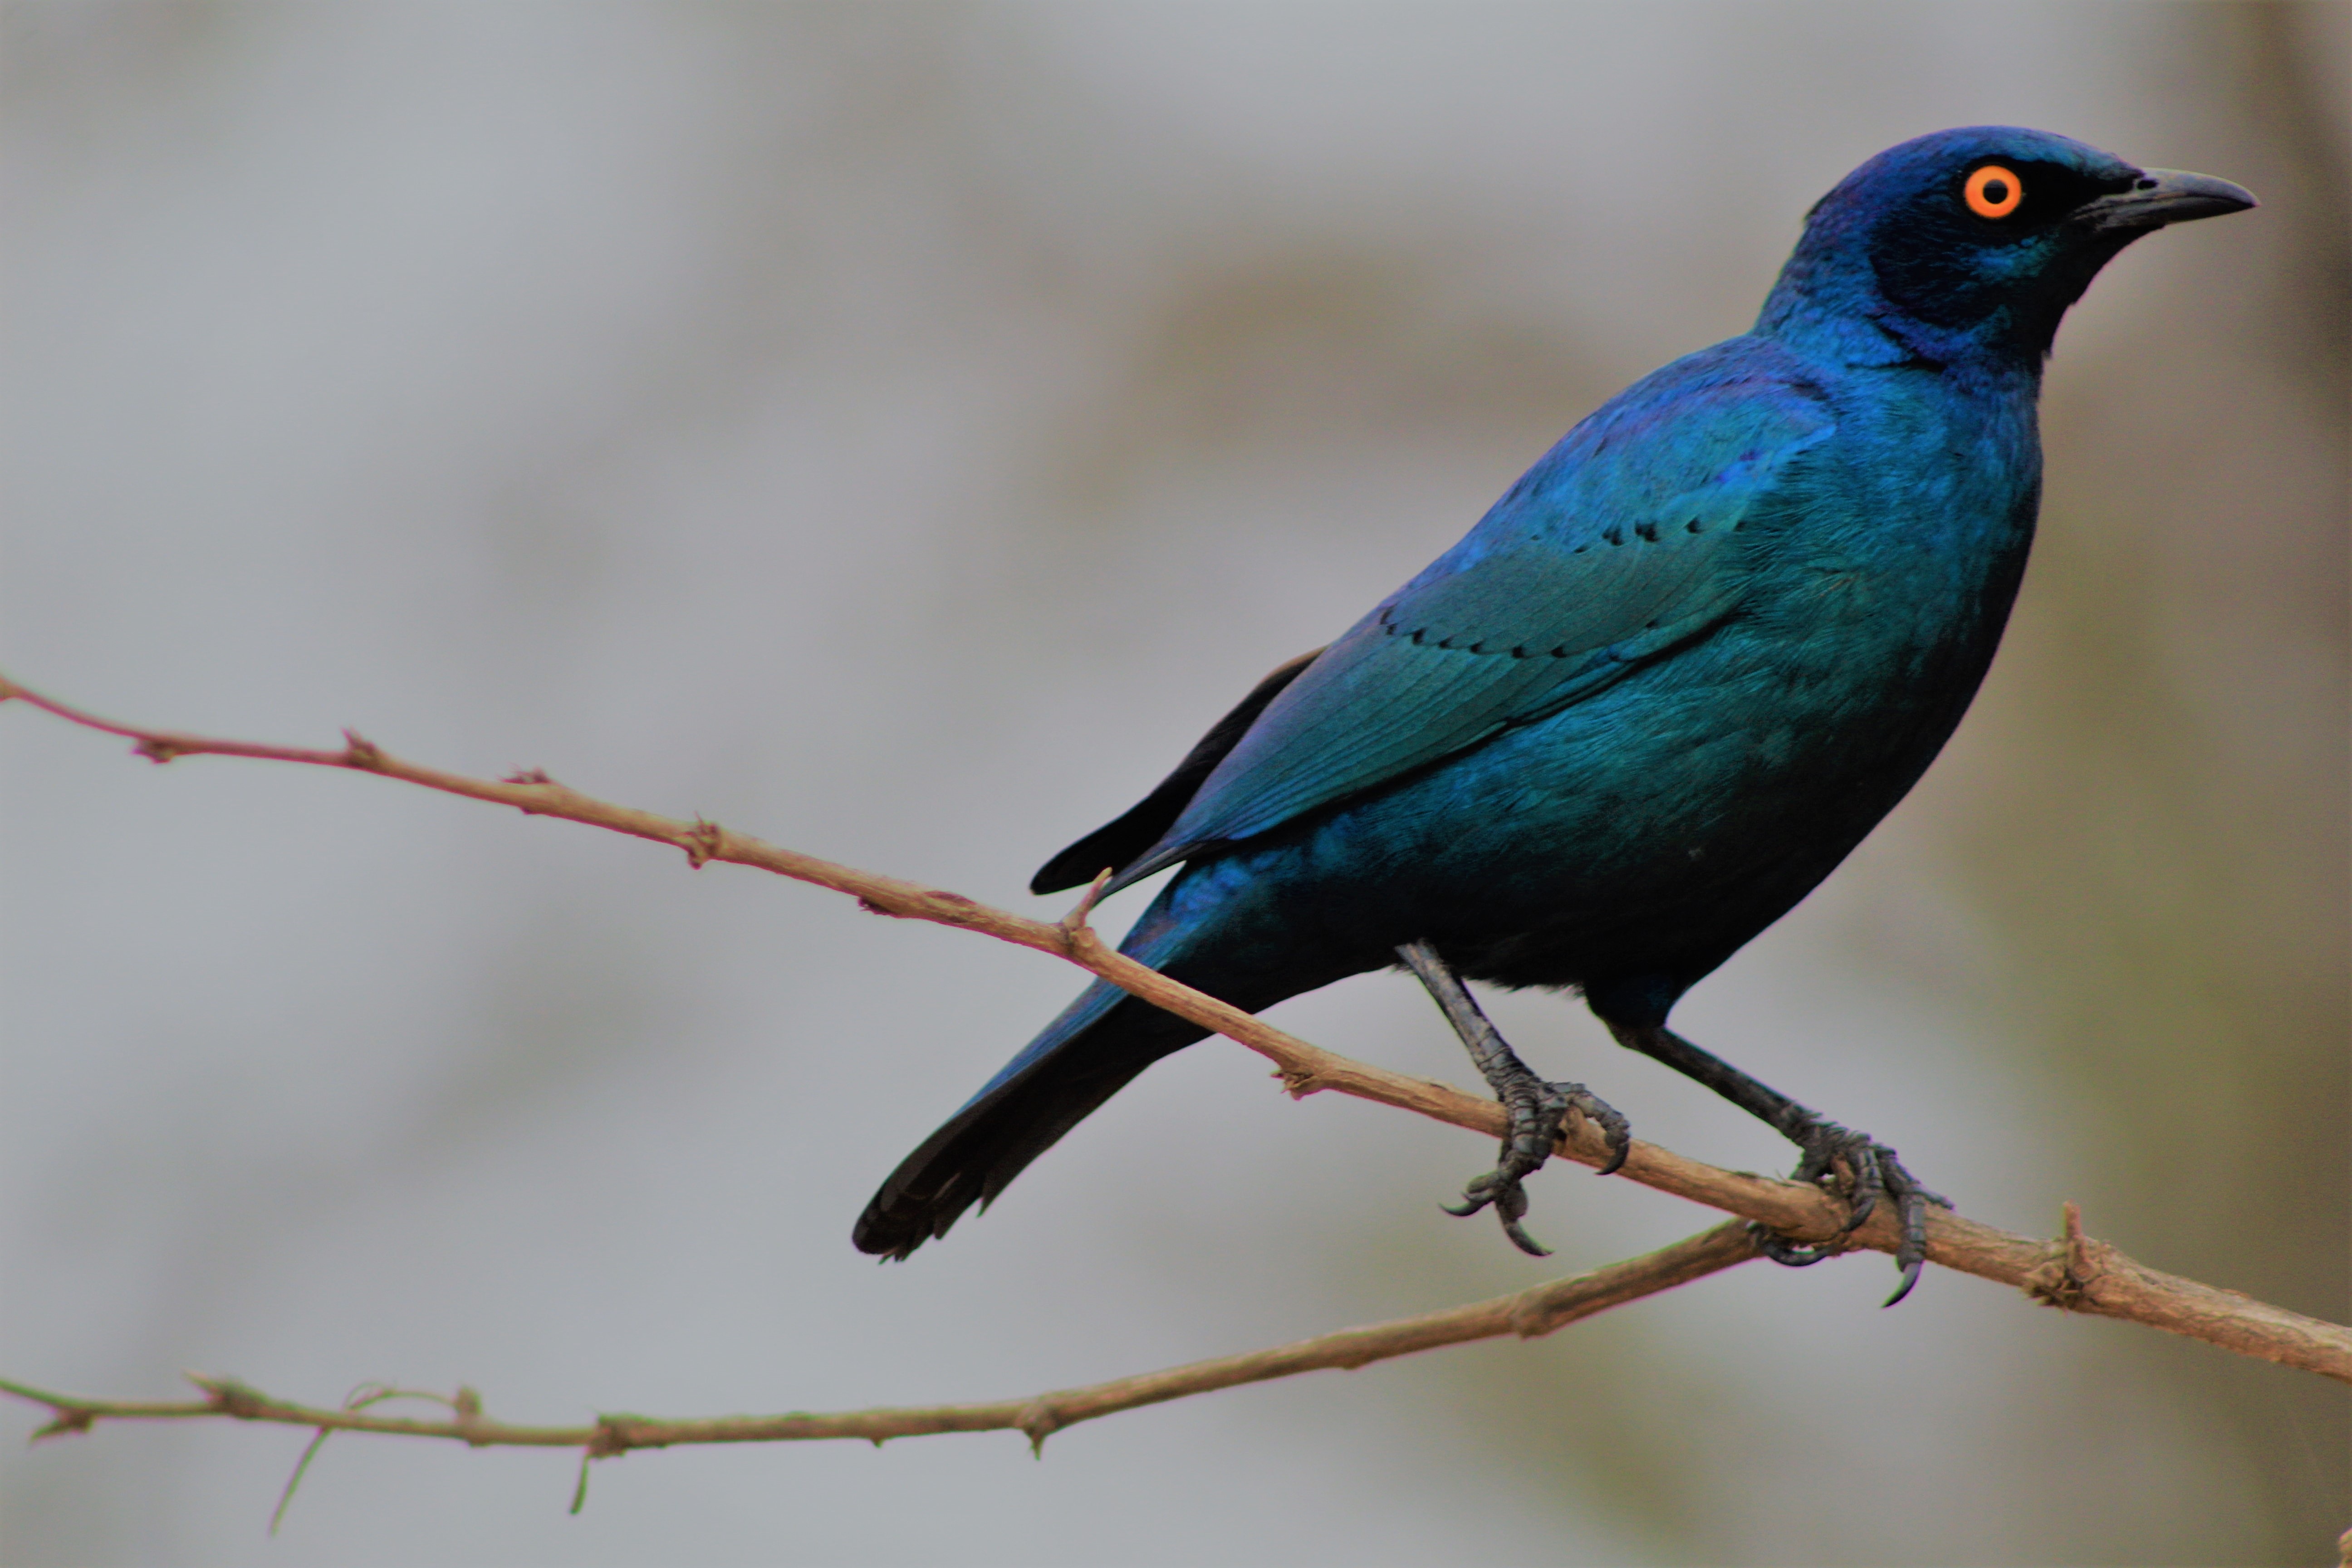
(2074, 1273)
(1531, 1314)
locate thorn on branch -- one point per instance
(529, 776)
(63, 1419)
(705, 842)
(1037, 1422)
(2078, 1248)
(468, 1408)
(2068, 1278)
(1298, 1082)
(612, 1439)
(1076, 935)
(230, 1397)
(156, 749)
(361, 752)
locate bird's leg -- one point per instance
(1535, 1108)
(1870, 1168)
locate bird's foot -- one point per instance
(1537, 1110)
(1865, 1170)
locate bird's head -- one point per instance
(1971, 244)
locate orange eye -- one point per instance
(1994, 192)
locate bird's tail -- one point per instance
(1092, 1051)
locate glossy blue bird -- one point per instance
(1664, 686)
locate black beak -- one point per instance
(2160, 196)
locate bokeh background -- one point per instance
(897, 431)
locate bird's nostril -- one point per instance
(2145, 184)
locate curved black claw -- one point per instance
(1616, 1132)
(1867, 1171)
(1510, 1201)
(1784, 1252)
(1537, 1110)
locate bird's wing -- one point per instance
(1617, 548)
(1122, 841)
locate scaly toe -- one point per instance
(1616, 1132)
(1867, 1171)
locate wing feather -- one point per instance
(1617, 548)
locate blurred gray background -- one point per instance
(897, 431)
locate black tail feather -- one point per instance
(987, 1143)
(1117, 845)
